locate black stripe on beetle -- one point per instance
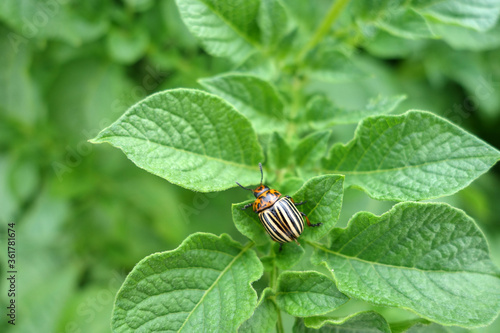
(279, 215)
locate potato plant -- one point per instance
(274, 106)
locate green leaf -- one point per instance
(405, 326)
(311, 149)
(323, 113)
(384, 45)
(289, 255)
(254, 97)
(461, 38)
(191, 138)
(404, 18)
(278, 152)
(303, 294)
(413, 156)
(272, 21)
(395, 17)
(224, 31)
(429, 258)
(323, 196)
(324, 200)
(479, 15)
(361, 322)
(264, 317)
(204, 284)
(405, 23)
(326, 63)
(435, 328)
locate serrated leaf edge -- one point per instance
(101, 138)
(349, 294)
(355, 137)
(184, 242)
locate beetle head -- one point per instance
(260, 189)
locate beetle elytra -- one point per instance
(278, 214)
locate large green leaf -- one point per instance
(480, 15)
(303, 294)
(323, 113)
(203, 285)
(225, 31)
(413, 156)
(257, 99)
(429, 258)
(323, 196)
(264, 317)
(189, 137)
(360, 322)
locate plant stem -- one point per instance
(323, 28)
(297, 86)
(279, 323)
(274, 283)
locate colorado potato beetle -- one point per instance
(278, 214)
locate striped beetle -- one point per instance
(279, 215)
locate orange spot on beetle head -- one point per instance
(259, 190)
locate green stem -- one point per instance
(297, 86)
(324, 27)
(274, 284)
(279, 323)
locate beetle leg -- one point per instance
(296, 203)
(297, 242)
(281, 247)
(246, 206)
(309, 222)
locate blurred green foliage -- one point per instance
(85, 215)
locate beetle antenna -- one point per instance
(243, 187)
(261, 173)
